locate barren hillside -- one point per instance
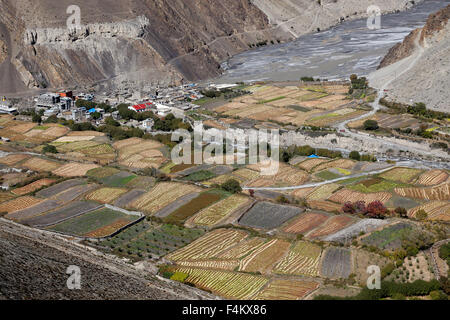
(426, 52)
(150, 41)
(34, 265)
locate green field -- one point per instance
(119, 180)
(147, 239)
(103, 172)
(327, 175)
(88, 222)
(199, 176)
(203, 201)
(376, 185)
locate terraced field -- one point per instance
(346, 195)
(263, 259)
(162, 195)
(230, 285)
(106, 195)
(220, 210)
(19, 204)
(95, 224)
(332, 225)
(336, 263)
(404, 175)
(148, 240)
(303, 259)
(32, 187)
(74, 169)
(266, 215)
(435, 210)
(441, 192)
(279, 289)
(432, 178)
(210, 245)
(305, 223)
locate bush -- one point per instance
(354, 155)
(421, 215)
(371, 125)
(49, 149)
(401, 212)
(231, 186)
(179, 276)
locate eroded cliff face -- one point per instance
(150, 41)
(423, 62)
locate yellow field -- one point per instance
(230, 285)
(242, 249)
(279, 289)
(436, 210)
(220, 210)
(41, 165)
(139, 153)
(209, 246)
(302, 259)
(106, 195)
(263, 259)
(74, 169)
(12, 159)
(162, 195)
(323, 192)
(19, 204)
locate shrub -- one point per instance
(231, 186)
(354, 155)
(421, 215)
(49, 149)
(371, 125)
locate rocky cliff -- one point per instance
(150, 41)
(421, 65)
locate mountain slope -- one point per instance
(145, 42)
(427, 80)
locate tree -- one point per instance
(349, 208)
(231, 186)
(371, 125)
(252, 193)
(36, 118)
(49, 149)
(355, 155)
(421, 215)
(111, 122)
(282, 199)
(377, 210)
(353, 77)
(401, 212)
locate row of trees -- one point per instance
(374, 210)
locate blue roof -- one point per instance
(313, 156)
(92, 110)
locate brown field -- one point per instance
(139, 153)
(436, 210)
(308, 165)
(22, 127)
(86, 133)
(12, 159)
(263, 259)
(432, 178)
(325, 206)
(303, 259)
(108, 230)
(323, 192)
(68, 139)
(33, 186)
(219, 211)
(41, 165)
(441, 192)
(5, 196)
(340, 163)
(19, 204)
(74, 169)
(390, 121)
(333, 225)
(228, 265)
(286, 175)
(345, 195)
(242, 249)
(162, 195)
(279, 289)
(306, 223)
(302, 193)
(209, 246)
(281, 104)
(106, 195)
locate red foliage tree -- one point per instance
(349, 208)
(376, 210)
